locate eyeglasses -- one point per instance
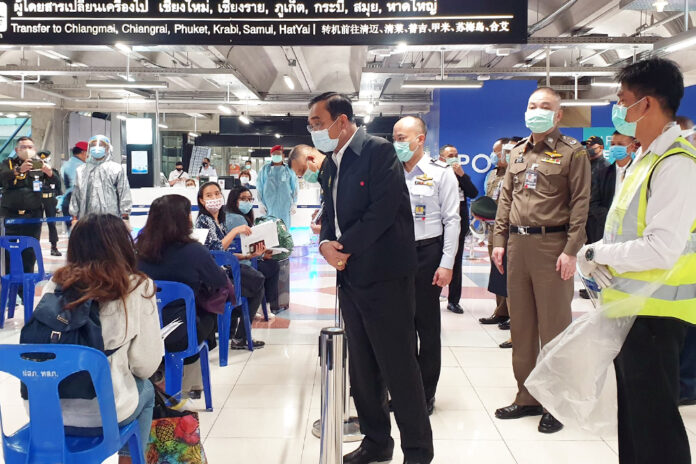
(317, 126)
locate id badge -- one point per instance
(36, 185)
(496, 193)
(530, 178)
(420, 212)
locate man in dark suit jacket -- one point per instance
(367, 235)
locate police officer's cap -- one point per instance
(484, 207)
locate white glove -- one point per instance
(602, 276)
(584, 266)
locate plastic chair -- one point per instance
(168, 292)
(225, 258)
(236, 247)
(43, 440)
(15, 245)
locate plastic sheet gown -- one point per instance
(101, 187)
(277, 189)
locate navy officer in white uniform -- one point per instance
(434, 193)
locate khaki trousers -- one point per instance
(539, 301)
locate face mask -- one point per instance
(618, 117)
(244, 180)
(451, 161)
(494, 159)
(97, 152)
(205, 165)
(179, 169)
(311, 176)
(539, 120)
(403, 151)
(214, 205)
(248, 166)
(245, 206)
(322, 141)
(277, 158)
(617, 153)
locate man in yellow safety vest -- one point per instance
(646, 263)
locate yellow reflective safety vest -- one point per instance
(656, 292)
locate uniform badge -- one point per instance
(551, 161)
(553, 154)
(424, 180)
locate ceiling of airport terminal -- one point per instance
(584, 38)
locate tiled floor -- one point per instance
(265, 402)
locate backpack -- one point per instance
(52, 323)
(284, 237)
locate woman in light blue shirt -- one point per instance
(240, 212)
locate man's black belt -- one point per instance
(428, 241)
(526, 230)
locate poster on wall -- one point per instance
(139, 162)
(263, 22)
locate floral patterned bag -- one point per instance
(175, 436)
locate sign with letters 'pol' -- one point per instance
(262, 22)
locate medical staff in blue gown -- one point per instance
(277, 187)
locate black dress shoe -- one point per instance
(689, 401)
(515, 411)
(504, 325)
(493, 320)
(455, 308)
(55, 252)
(363, 455)
(583, 294)
(549, 424)
(507, 344)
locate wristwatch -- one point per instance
(589, 254)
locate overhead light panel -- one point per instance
(11, 115)
(123, 47)
(225, 109)
(244, 119)
(121, 117)
(193, 134)
(442, 84)
(277, 136)
(660, 5)
(162, 126)
(581, 102)
(367, 119)
(126, 78)
(289, 82)
(23, 114)
(610, 84)
(120, 84)
(26, 103)
(52, 54)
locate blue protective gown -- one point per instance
(277, 190)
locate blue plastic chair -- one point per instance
(224, 258)
(15, 245)
(236, 247)
(174, 361)
(43, 440)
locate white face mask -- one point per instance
(322, 141)
(214, 205)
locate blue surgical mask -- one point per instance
(97, 152)
(311, 176)
(403, 151)
(494, 159)
(451, 161)
(617, 153)
(322, 141)
(277, 158)
(618, 117)
(539, 120)
(245, 206)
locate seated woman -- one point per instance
(102, 266)
(239, 212)
(211, 216)
(166, 251)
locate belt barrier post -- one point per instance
(2, 252)
(332, 370)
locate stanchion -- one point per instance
(351, 424)
(332, 369)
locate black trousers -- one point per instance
(455, 287)
(651, 429)
(379, 321)
(252, 289)
(49, 207)
(428, 316)
(271, 271)
(66, 209)
(27, 230)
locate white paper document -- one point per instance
(266, 232)
(200, 235)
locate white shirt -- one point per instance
(254, 175)
(671, 212)
(620, 176)
(434, 187)
(174, 175)
(337, 157)
(207, 172)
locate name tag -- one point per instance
(36, 185)
(419, 212)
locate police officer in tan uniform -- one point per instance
(541, 219)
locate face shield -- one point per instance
(99, 148)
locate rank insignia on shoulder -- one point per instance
(438, 162)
